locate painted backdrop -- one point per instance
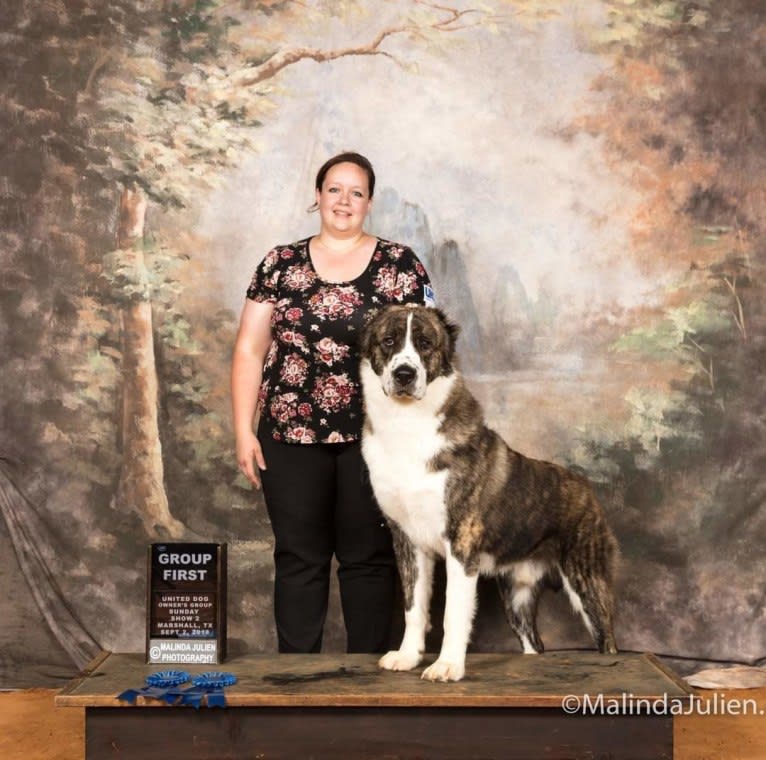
(584, 181)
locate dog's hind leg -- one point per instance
(591, 596)
(520, 603)
(416, 571)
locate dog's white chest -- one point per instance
(407, 492)
(404, 439)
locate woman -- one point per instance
(296, 362)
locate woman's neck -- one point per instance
(341, 244)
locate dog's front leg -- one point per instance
(458, 620)
(416, 570)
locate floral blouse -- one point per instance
(310, 391)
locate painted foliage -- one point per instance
(584, 182)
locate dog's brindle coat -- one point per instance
(450, 486)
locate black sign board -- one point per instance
(186, 604)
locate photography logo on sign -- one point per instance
(186, 605)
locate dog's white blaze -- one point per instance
(404, 439)
(576, 602)
(410, 356)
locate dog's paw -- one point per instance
(442, 670)
(399, 659)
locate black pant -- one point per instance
(320, 503)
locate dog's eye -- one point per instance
(388, 341)
(425, 344)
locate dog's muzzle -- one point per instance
(404, 379)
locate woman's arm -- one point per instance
(253, 341)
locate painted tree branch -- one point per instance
(282, 60)
(99, 64)
(254, 75)
(739, 315)
(452, 13)
(709, 370)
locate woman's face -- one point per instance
(344, 199)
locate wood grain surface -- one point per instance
(499, 680)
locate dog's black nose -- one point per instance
(404, 374)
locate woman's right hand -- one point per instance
(249, 451)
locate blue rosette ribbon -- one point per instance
(210, 685)
(163, 685)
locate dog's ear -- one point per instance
(365, 336)
(451, 328)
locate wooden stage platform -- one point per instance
(342, 706)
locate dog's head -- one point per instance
(408, 347)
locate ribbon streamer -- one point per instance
(210, 685)
(162, 685)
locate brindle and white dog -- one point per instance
(450, 487)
